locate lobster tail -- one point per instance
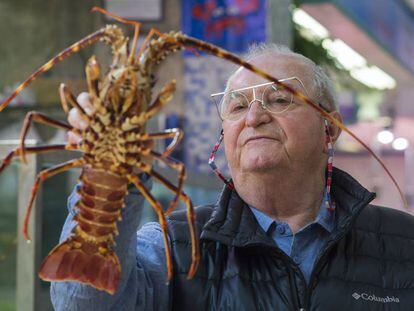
(80, 261)
(87, 256)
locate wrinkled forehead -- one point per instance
(278, 65)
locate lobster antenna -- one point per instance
(237, 60)
(74, 48)
(136, 25)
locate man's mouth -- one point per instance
(260, 138)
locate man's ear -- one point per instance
(335, 130)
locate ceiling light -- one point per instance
(344, 54)
(373, 77)
(400, 143)
(300, 17)
(385, 136)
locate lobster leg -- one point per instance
(195, 253)
(161, 218)
(67, 96)
(174, 133)
(177, 135)
(163, 97)
(31, 150)
(178, 166)
(41, 118)
(39, 179)
(151, 33)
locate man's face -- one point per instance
(262, 141)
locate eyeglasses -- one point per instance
(234, 104)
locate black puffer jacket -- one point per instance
(368, 264)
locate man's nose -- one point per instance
(257, 114)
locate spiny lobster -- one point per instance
(114, 144)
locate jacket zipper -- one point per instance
(289, 263)
(318, 264)
(341, 234)
(293, 287)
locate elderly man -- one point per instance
(280, 239)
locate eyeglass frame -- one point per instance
(256, 99)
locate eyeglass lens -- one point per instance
(235, 104)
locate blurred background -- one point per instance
(366, 46)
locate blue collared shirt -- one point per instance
(304, 246)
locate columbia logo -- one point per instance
(356, 296)
(373, 298)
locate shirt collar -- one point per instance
(264, 221)
(325, 218)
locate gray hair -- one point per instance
(325, 94)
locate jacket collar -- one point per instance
(233, 223)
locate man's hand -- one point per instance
(76, 120)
